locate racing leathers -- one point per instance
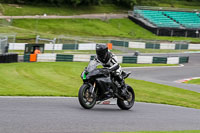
(113, 65)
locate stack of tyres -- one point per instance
(1, 58)
(13, 58)
(16, 57)
(8, 58)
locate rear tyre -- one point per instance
(127, 104)
(86, 100)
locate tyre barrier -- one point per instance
(151, 45)
(8, 58)
(92, 46)
(121, 59)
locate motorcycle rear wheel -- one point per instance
(127, 104)
(86, 100)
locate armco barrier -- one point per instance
(173, 60)
(129, 59)
(92, 46)
(194, 46)
(87, 46)
(83, 58)
(152, 46)
(160, 60)
(53, 46)
(64, 58)
(120, 43)
(121, 59)
(183, 59)
(137, 45)
(144, 59)
(46, 57)
(167, 46)
(70, 47)
(181, 46)
(17, 46)
(156, 45)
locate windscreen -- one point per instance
(92, 65)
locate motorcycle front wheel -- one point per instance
(86, 99)
(128, 103)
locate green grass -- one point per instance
(27, 29)
(50, 28)
(157, 93)
(63, 79)
(23, 10)
(180, 4)
(186, 131)
(194, 81)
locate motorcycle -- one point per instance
(97, 81)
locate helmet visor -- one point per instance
(102, 55)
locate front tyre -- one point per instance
(86, 99)
(127, 104)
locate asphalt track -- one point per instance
(168, 75)
(65, 115)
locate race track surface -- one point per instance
(168, 75)
(65, 115)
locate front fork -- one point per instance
(92, 87)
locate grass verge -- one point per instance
(23, 10)
(20, 10)
(63, 79)
(50, 28)
(194, 81)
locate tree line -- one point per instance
(75, 3)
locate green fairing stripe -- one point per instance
(84, 76)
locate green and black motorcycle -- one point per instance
(97, 81)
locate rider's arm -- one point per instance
(115, 65)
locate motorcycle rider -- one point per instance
(109, 60)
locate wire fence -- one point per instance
(3, 44)
(77, 39)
